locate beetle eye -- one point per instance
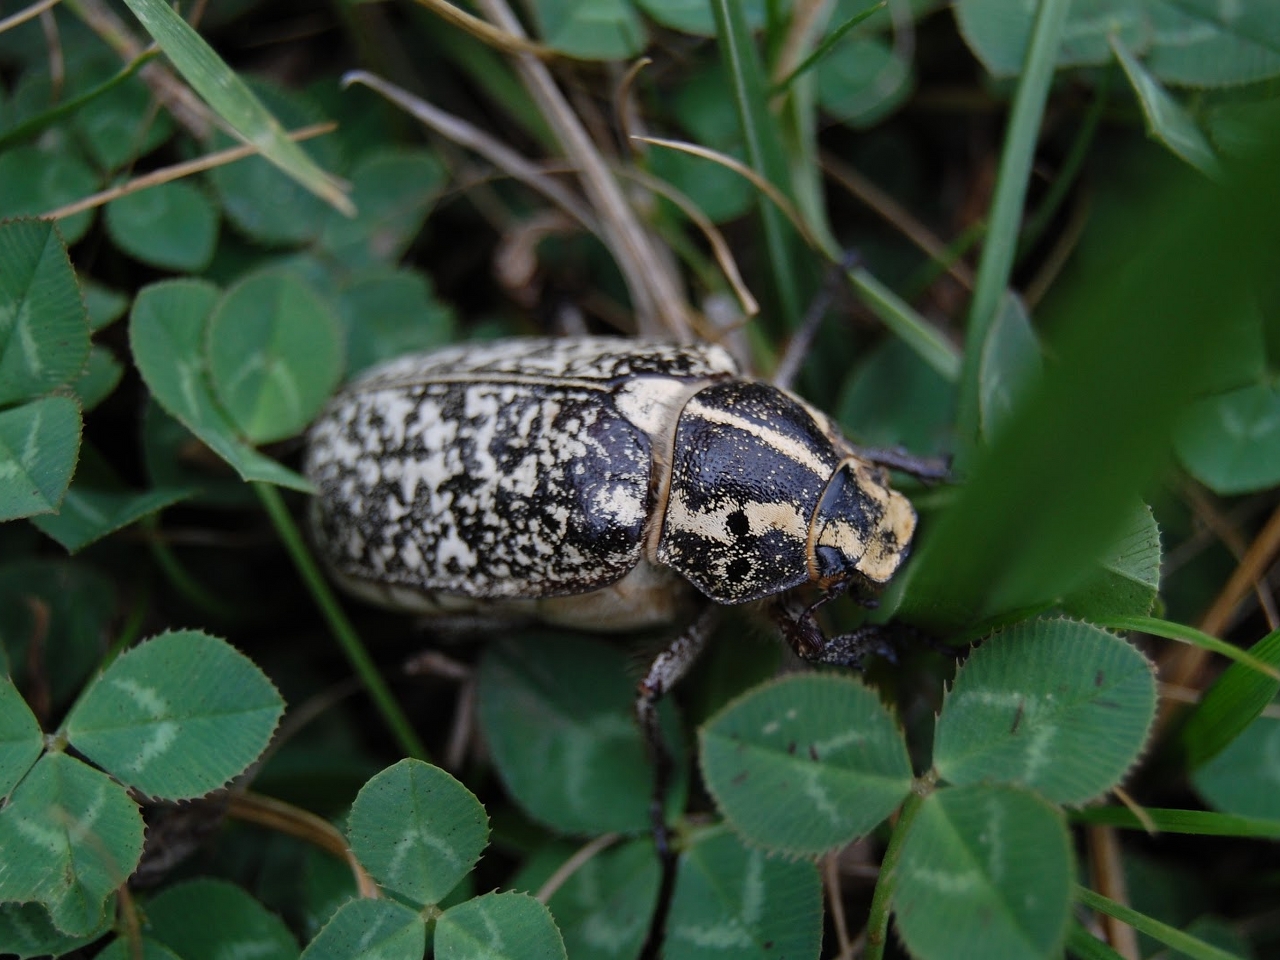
(831, 562)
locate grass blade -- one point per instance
(233, 101)
(763, 144)
(1001, 244)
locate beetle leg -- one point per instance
(852, 649)
(925, 469)
(666, 670)
(800, 628)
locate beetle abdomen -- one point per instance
(483, 489)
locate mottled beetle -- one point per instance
(594, 483)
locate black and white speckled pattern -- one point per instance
(597, 359)
(477, 471)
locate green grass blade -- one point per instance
(28, 129)
(232, 100)
(1201, 823)
(1170, 936)
(1234, 701)
(339, 625)
(827, 44)
(1001, 244)
(1083, 944)
(898, 315)
(1186, 634)
(1134, 344)
(763, 144)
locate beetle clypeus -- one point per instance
(599, 483)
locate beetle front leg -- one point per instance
(925, 469)
(799, 626)
(666, 670)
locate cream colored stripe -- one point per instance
(780, 442)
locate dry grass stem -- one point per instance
(897, 216)
(25, 14)
(655, 289)
(177, 171)
(715, 239)
(487, 33)
(1107, 873)
(1060, 253)
(775, 195)
(296, 822)
(573, 865)
(473, 138)
(1137, 810)
(1182, 665)
(624, 106)
(835, 900)
(180, 100)
(807, 22)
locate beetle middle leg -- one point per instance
(666, 670)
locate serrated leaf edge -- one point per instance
(139, 792)
(787, 853)
(1139, 755)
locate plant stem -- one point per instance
(878, 918)
(1070, 170)
(183, 582)
(339, 625)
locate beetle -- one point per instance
(601, 483)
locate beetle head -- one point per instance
(861, 530)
